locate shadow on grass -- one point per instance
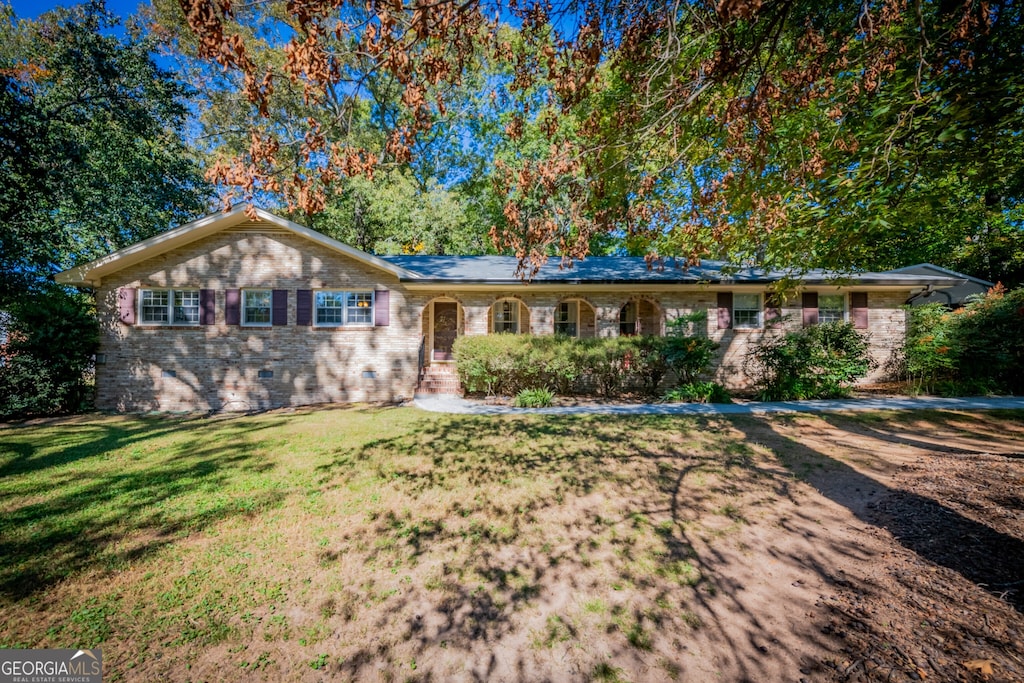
(494, 576)
(79, 510)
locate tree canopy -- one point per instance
(781, 131)
(91, 147)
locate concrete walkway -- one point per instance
(455, 404)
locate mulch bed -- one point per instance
(951, 607)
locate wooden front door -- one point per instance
(446, 328)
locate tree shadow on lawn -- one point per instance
(493, 582)
(75, 511)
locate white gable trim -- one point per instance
(91, 274)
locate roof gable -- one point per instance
(92, 273)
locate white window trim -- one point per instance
(140, 313)
(760, 311)
(576, 322)
(245, 295)
(518, 316)
(846, 307)
(345, 322)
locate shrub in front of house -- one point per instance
(822, 361)
(697, 392)
(506, 364)
(974, 350)
(534, 398)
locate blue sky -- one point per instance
(30, 9)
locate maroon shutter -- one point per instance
(232, 307)
(304, 307)
(859, 309)
(207, 307)
(810, 304)
(382, 308)
(126, 305)
(772, 307)
(724, 310)
(279, 307)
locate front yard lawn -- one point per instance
(352, 543)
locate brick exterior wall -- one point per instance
(217, 367)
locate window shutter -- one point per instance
(232, 307)
(304, 307)
(126, 305)
(279, 307)
(859, 310)
(772, 307)
(810, 304)
(207, 307)
(382, 308)
(724, 310)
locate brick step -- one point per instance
(439, 379)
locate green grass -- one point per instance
(347, 542)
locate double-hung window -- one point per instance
(746, 311)
(567, 318)
(831, 308)
(169, 306)
(338, 308)
(506, 316)
(256, 305)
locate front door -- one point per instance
(446, 328)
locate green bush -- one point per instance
(975, 350)
(508, 364)
(533, 398)
(818, 362)
(928, 355)
(698, 392)
(47, 353)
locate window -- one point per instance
(359, 309)
(256, 306)
(746, 310)
(169, 306)
(567, 318)
(831, 308)
(336, 308)
(627, 319)
(506, 316)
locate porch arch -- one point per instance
(641, 316)
(575, 317)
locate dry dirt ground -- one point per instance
(868, 547)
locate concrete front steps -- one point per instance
(439, 379)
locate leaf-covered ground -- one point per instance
(360, 543)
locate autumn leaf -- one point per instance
(981, 666)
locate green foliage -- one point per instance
(534, 398)
(698, 392)
(688, 351)
(91, 148)
(820, 361)
(47, 356)
(508, 364)
(394, 213)
(928, 349)
(977, 349)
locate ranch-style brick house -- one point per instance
(230, 313)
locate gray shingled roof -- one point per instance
(629, 269)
